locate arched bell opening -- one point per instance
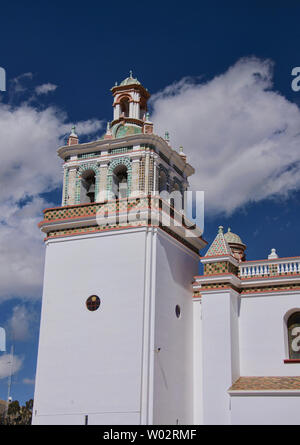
(162, 182)
(120, 181)
(87, 187)
(124, 103)
(176, 197)
(176, 187)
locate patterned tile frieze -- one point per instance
(127, 211)
(274, 288)
(77, 211)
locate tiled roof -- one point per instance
(233, 237)
(266, 384)
(219, 245)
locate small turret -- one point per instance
(73, 138)
(181, 152)
(236, 245)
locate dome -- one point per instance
(130, 81)
(233, 238)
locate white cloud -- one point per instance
(21, 249)
(9, 364)
(29, 166)
(241, 136)
(45, 88)
(19, 81)
(21, 322)
(29, 139)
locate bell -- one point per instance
(91, 192)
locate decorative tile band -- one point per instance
(139, 208)
(270, 288)
(220, 267)
(81, 210)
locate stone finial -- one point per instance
(130, 73)
(108, 134)
(220, 230)
(73, 132)
(73, 138)
(272, 255)
(181, 152)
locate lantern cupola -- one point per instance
(130, 108)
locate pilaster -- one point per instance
(102, 192)
(220, 345)
(71, 196)
(135, 163)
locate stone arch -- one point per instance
(83, 168)
(290, 319)
(124, 103)
(124, 161)
(122, 97)
(163, 183)
(177, 183)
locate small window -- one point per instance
(93, 303)
(293, 326)
(177, 311)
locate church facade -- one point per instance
(130, 333)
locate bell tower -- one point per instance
(117, 321)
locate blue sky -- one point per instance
(200, 49)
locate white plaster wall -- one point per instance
(263, 333)
(173, 364)
(198, 364)
(93, 419)
(220, 339)
(265, 410)
(89, 363)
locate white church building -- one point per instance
(130, 333)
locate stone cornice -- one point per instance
(275, 285)
(270, 261)
(138, 139)
(149, 211)
(219, 259)
(131, 87)
(218, 278)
